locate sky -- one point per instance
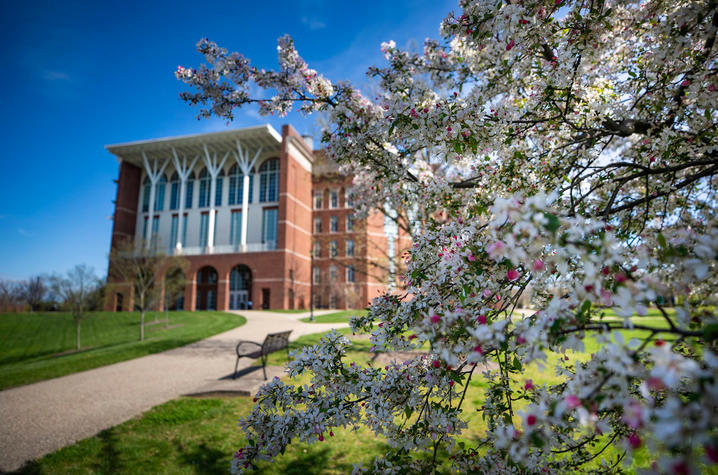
(82, 75)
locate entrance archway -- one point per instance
(240, 287)
(206, 288)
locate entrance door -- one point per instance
(238, 300)
(265, 299)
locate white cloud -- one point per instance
(313, 23)
(56, 76)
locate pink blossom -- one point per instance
(481, 319)
(538, 265)
(435, 363)
(479, 350)
(520, 340)
(495, 249)
(572, 401)
(512, 275)
(685, 83)
(510, 45)
(634, 441)
(530, 420)
(620, 277)
(435, 318)
(471, 257)
(529, 385)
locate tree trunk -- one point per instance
(78, 335)
(142, 325)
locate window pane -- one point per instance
(350, 222)
(317, 225)
(146, 196)
(350, 248)
(333, 249)
(317, 200)
(173, 232)
(203, 229)
(333, 224)
(184, 230)
(269, 227)
(174, 195)
(189, 193)
(235, 230)
(317, 249)
(333, 199)
(218, 191)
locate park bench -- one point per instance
(251, 349)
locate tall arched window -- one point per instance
(160, 193)
(204, 181)
(174, 191)
(269, 181)
(218, 190)
(189, 193)
(146, 194)
(236, 185)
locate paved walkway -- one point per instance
(40, 418)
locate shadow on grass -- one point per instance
(110, 461)
(309, 461)
(204, 459)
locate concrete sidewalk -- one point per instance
(42, 417)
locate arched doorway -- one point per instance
(240, 287)
(206, 288)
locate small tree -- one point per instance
(10, 295)
(141, 268)
(174, 284)
(33, 291)
(76, 290)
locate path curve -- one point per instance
(42, 417)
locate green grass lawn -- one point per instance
(200, 435)
(38, 346)
(336, 317)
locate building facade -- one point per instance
(259, 226)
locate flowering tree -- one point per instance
(563, 148)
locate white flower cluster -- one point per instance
(561, 153)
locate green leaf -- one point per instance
(662, 241)
(552, 224)
(408, 411)
(710, 332)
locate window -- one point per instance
(350, 274)
(315, 275)
(317, 225)
(269, 227)
(317, 249)
(348, 198)
(235, 228)
(189, 192)
(174, 191)
(333, 224)
(144, 229)
(173, 231)
(333, 198)
(350, 223)
(184, 230)
(318, 200)
(203, 229)
(236, 185)
(269, 181)
(317, 301)
(218, 188)
(350, 248)
(332, 274)
(204, 182)
(160, 193)
(333, 301)
(146, 194)
(333, 249)
(155, 232)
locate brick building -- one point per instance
(258, 221)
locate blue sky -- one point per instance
(81, 75)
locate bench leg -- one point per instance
(236, 364)
(264, 366)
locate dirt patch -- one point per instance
(177, 325)
(70, 352)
